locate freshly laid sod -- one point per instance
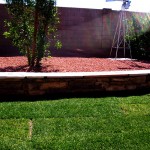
(108, 123)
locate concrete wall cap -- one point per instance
(73, 74)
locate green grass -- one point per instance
(108, 123)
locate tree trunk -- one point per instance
(34, 37)
(28, 56)
(40, 52)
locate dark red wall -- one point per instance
(83, 32)
(6, 48)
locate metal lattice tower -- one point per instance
(122, 29)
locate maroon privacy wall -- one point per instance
(6, 48)
(86, 32)
(83, 32)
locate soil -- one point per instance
(72, 64)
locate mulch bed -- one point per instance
(72, 64)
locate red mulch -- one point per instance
(72, 64)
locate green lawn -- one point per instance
(109, 123)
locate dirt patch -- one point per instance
(72, 64)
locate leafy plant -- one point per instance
(32, 25)
(139, 36)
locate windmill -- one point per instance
(119, 40)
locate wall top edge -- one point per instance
(73, 74)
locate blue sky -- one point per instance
(136, 5)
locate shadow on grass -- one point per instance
(61, 96)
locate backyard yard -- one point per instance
(83, 123)
(87, 122)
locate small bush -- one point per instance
(140, 46)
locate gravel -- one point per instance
(72, 64)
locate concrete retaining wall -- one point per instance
(49, 83)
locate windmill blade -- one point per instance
(126, 4)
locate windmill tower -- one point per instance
(119, 41)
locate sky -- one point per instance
(136, 5)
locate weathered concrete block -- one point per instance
(148, 78)
(82, 83)
(130, 87)
(53, 80)
(102, 79)
(11, 85)
(142, 86)
(33, 86)
(115, 88)
(104, 83)
(36, 92)
(53, 85)
(5, 80)
(119, 79)
(137, 80)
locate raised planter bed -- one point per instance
(72, 82)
